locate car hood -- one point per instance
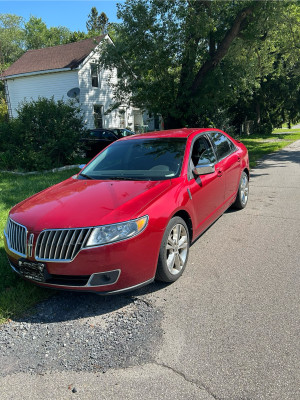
(78, 203)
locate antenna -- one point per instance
(73, 93)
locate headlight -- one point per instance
(116, 232)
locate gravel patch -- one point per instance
(81, 332)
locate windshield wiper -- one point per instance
(123, 178)
(86, 176)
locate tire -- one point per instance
(173, 254)
(243, 192)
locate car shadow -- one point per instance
(69, 306)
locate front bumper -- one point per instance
(112, 268)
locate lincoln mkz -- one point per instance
(130, 215)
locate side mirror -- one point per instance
(204, 169)
(81, 166)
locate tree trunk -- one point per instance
(238, 25)
(258, 113)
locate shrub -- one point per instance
(3, 110)
(45, 135)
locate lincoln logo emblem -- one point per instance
(29, 246)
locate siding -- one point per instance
(44, 85)
(103, 95)
(57, 84)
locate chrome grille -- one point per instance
(60, 244)
(16, 235)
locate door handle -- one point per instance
(239, 158)
(220, 173)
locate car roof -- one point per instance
(100, 129)
(121, 129)
(171, 133)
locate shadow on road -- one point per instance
(278, 160)
(69, 306)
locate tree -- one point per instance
(11, 38)
(37, 35)
(180, 58)
(3, 110)
(58, 35)
(11, 48)
(76, 36)
(97, 23)
(274, 99)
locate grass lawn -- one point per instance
(259, 146)
(16, 295)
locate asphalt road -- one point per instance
(228, 329)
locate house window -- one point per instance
(122, 118)
(98, 116)
(95, 75)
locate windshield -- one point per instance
(141, 159)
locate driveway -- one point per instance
(228, 329)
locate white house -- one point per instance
(71, 71)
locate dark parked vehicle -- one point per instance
(97, 139)
(122, 132)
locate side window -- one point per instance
(222, 145)
(108, 135)
(95, 134)
(202, 153)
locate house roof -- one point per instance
(69, 55)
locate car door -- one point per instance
(206, 191)
(228, 163)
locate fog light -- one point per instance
(104, 278)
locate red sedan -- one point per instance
(131, 214)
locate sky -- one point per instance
(72, 14)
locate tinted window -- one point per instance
(102, 134)
(95, 134)
(143, 159)
(108, 135)
(222, 144)
(202, 152)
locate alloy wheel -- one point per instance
(177, 249)
(244, 189)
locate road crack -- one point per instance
(195, 382)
